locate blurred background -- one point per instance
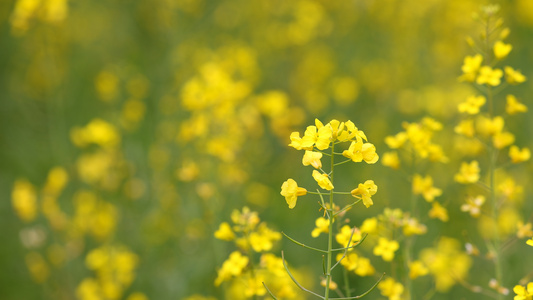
(136, 127)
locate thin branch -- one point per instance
(294, 279)
(303, 245)
(347, 207)
(345, 250)
(353, 246)
(271, 295)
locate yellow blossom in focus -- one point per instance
(523, 293)
(366, 191)
(466, 128)
(503, 139)
(312, 158)
(518, 155)
(470, 67)
(473, 205)
(417, 269)
(24, 200)
(391, 289)
(472, 104)
(468, 173)
(424, 186)
(322, 226)
(501, 50)
(513, 106)
(514, 76)
(359, 151)
(386, 248)
(391, 160)
(233, 266)
(438, 212)
(489, 76)
(322, 180)
(224, 232)
(291, 191)
(347, 232)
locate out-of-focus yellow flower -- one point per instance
(513, 76)
(24, 200)
(417, 269)
(233, 266)
(370, 225)
(359, 151)
(391, 160)
(312, 158)
(224, 232)
(106, 84)
(472, 105)
(489, 76)
(424, 186)
(291, 191)
(470, 67)
(322, 226)
(489, 127)
(501, 50)
(518, 155)
(322, 180)
(366, 190)
(88, 289)
(513, 106)
(466, 128)
(412, 226)
(343, 237)
(396, 141)
(530, 242)
(503, 139)
(39, 269)
(141, 296)
(446, 263)
(386, 248)
(391, 289)
(262, 239)
(523, 293)
(468, 173)
(438, 212)
(97, 132)
(332, 284)
(524, 230)
(473, 205)
(56, 181)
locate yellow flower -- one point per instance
(488, 127)
(502, 139)
(470, 67)
(224, 232)
(473, 205)
(233, 266)
(359, 151)
(366, 191)
(360, 265)
(391, 289)
(24, 200)
(322, 180)
(469, 172)
(312, 158)
(489, 76)
(290, 190)
(386, 248)
(530, 242)
(370, 225)
(391, 160)
(472, 104)
(262, 239)
(524, 230)
(424, 186)
(513, 106)
(501, 50)
(513, 76)
(412, 226)
(344, 236)
(523, 293)
(517, 155)
(438, 212)
(397, 141)
(296, 141)
(466, 128)
(417, 269)
(322, 226)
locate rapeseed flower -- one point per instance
(391, 289)
(322, 226)
(424, 186)
(386, 248)
(489, 76)
(513, 106)
(359, 151)
(365, 191)
(224, 232)
(438, 212)
(473, 205)
(232, 267)
(322, 180)
(312, 158)
(343, 237)
(472, 105)
(470, 67)
(469, 172)
(514, 76)
(523, 293)
(291, 191)
(501, 50)
(417, 269)
(391, 160)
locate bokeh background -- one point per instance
(140, 125)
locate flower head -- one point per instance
(424, 186)
(322, 180)
(470, 67)
(501, 50)
(518, 155)
(523, 293)
(513, 76)
(366, 190)
(290, 190)
(312, 158)
(489, 76)
(469, 172)
(386, 248)
(513, 106)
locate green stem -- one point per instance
(330, 231)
